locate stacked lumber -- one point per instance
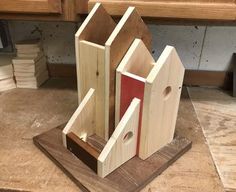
(30, 67)
(7, 81)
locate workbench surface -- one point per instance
(26, 113)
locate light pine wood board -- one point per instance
(7, 84)
(116, 40)
(163, 84)
(130, 27)
(82, 122)
(92, 59)
(6, 68)
(122, 145)
(216, 112)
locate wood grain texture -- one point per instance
(82, 122)
(85, 152)
(196, 9)
(162, 84)
(132, 63)
(131, 176)
(92, 59)
(68, 12)
(130, 27)
(31, 6)
(161, 100)
(216, 112)
(117, 39)
(122, 145)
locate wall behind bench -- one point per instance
(200, 47)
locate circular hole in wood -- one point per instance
(128, 136)
(166, 92)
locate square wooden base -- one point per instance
(131, 176)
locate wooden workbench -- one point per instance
(26, 113)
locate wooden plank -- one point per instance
(122, 145)
(161, 102)
(31, 6)
(82, 122)
(133, 64)
(216, 111)
(86, 153)
(131, 176)
(95, 30)
(203, 9)
(117, 41)
(92, 59)
(131, 26)
(162, 83)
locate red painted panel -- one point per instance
(131, 88)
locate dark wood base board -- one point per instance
(131, 176)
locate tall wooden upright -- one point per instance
(100, 46)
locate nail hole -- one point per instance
(166, 92)
(128, 136)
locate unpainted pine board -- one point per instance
(216, 111)
(92, 59)
(82, 122)
(199, 9)
(131, 176)
(96, 28)
(7, 84)
(130, 26)
(122, 145)
(133, 64)
(161, 102)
